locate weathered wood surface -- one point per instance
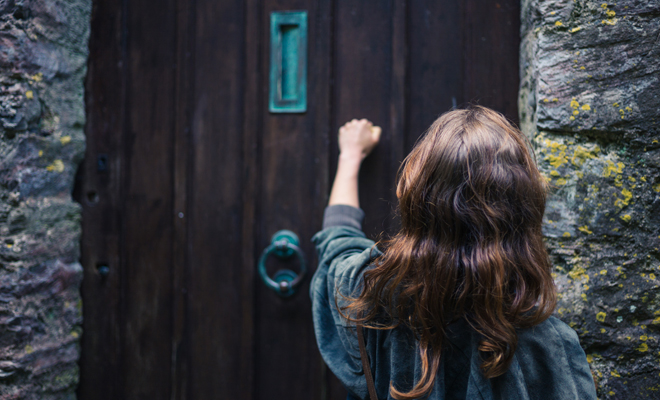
(201, 175)
(43, 55)
(590, 100)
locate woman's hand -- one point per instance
(358, 138)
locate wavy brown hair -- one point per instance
(471, 201)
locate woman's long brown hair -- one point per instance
(471, 201)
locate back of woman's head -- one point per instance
(471, 201)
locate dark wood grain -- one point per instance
(291, 198)
(363, 89)
(148, 199)
(330, 388)
(435, 83)
(252, 104)
(491, 50)
(201, 175)
(183, 97)
(99, 193)
(399, 95)
(215, 202)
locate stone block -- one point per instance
(590, 102)
(43, 57)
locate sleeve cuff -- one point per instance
(343, 215)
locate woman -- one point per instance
(458, 304)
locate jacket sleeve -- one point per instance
(344, 253)
(579, 369)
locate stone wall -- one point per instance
(590, 101)
(43, 56)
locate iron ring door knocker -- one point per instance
(283, 245)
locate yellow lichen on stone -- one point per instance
(612, 168)
(643, 347)
(65, 139)
(627, 196)
(585, 229)
(561, 182)
(558, 160)
(29, 349)
(41, 153)
(575, 112)
(618, 181)
(558, 23)
(574, 103)
(601, 316)
(566, 234)
(575, 29)
(579, 272)
(554, 173)
(611, 21)
(603, 272)
(610, 13)
(581, 154)
(657, 187)
(615, 374)
(57, 166)
(29, 94)
(626, 218)
(586, 107)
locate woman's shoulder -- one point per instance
(553, 360)
(549, 332)
(551, 338)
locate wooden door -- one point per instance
(187, 174)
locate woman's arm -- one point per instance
(356, 140)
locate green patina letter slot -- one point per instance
(288, 62)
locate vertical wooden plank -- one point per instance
(215, 203)
(329, 388)
(183, 99)
(293, 157)
(398, 97)
(435, 82)
(363, 89)
(492, 44)
(252, 105)
(148, 198)
(99, 193)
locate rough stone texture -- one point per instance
(43, 55)
(590, 101)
